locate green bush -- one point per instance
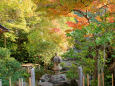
(9, 67)
(72, 73)
(4, 52)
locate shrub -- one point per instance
(4, 52)
(9, 67)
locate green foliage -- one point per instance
(18, 49)
(86, 42)
(108, 77)
(20, 17)
(39, 47)
(44, 42)
(70, 53)
(10, 68)
(4, 53)
(71, 74)
(32, 39)
(39, 71)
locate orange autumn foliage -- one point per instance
(71, 24)
(89, 35)
(56, 7)
(69, 30)
(52, 0)
(55, 30)
(94, 7)
(111, 19)
(82, 21)
(98, 18)
(111, 8)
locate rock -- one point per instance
(62, 84)
(45, 84)
(65, 69)
(54, 80)
(45, 78)
(58, 78)
(74, 82)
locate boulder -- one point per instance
(74, 82)
(45, 78)
(45, 84)
(58, 78)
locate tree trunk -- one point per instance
(95, 64)
(4, 41)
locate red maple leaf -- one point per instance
(71, 24)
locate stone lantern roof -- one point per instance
(57, 59)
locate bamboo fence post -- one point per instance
(19, 82)
(10, 83)
(99, 79)
(103, 78)
(83, 80)
(29, 77)
(87, 80)
(80, 76)
(33, 76)
(30, 81)
(0, 82)
(112, 80)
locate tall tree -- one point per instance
(45, 40)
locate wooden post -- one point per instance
(103, 78)
(29, 77)
(87, 80)
(99, 80)
(10, 83)
(30, 81)
(19, 82)
(112, 79)
(0, 82)
(83, 80)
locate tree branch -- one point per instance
(79, 11)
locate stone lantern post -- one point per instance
(56, 64)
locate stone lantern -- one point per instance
(56, 64)
(57, 79)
